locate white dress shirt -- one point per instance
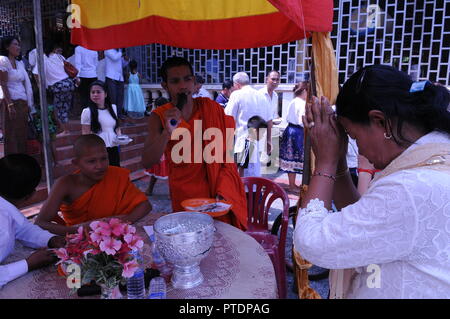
(114, 64)
(273, 101)
(14, 225)
(244, 104)
(107, 124)
(86, 62)
(54, 69)
(202, 93)
(296, 110)
(399, 229)
(32, 57)
(19, 85)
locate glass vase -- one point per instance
(110, 293)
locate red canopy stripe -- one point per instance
(236, 33)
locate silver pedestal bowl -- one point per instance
(184, 239)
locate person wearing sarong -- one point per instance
(95, 191)
(394, 240)
(291, 145)
(16, 97)
(196, 176)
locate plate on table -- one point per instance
(209, 206)
(123, 139)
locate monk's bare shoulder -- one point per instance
(67, 187)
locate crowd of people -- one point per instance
(379, 193)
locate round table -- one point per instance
(237, 267)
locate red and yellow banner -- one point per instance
(197, 24)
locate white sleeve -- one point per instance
(113, 54)
(379, 228)
(32, 57)
(12, 271)
(4, 65)
(31, 235)
(77, 58)
(28, 88)
(86, 116)
(232, 106)
(114, 107)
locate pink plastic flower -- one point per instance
(134, 241)
(117, 227)
(129, 230)
(62, 254)
(129, 268)
(100, 231)
(110, 246)
(78, 237)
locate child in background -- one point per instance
(249, 163)
(157, 171)
(134, 99)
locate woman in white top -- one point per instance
(16, 96)
(100, 117)
(291, 145)
(393, 241)
(59, 83)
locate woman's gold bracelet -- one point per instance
(342, 173)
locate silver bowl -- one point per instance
(184, 239)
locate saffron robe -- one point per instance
(196, 180)
(114, 195)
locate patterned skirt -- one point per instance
(291, 149)
(62, 98)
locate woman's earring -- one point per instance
(388, 137)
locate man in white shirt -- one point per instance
(20, 176)
(115, 61)
(86, 62)
(245, 102)
(272, 82)
(200, 91)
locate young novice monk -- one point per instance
(96, 191)
(20, 174)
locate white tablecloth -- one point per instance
(237, 267)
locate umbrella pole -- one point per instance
(42, 94)
(301, 266)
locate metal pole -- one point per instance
(42, 94)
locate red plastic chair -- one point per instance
(259, 201)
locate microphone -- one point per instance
(182, 99)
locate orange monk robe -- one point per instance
(114, 195)
(196, 180)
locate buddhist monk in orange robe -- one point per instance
(193, 176)
(95, 191)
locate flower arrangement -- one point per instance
(104, 253)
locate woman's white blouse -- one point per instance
(399, 230)
(107, 124)
(19, 85)
(54, 69)
(296, 110)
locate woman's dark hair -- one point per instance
(384, 88)
(256, 122)
(171, 63)
(50, 45)
(132, 65)
(5, 43)
(95, 124)
(300, 87)
(19, 176)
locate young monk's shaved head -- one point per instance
(85, 142)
